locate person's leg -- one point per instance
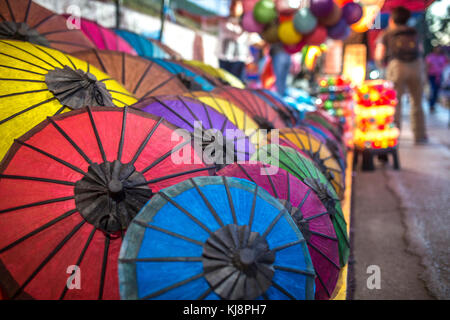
(415, 87)
(393, 74)
(434, 92)
(226, 65)
(281, 64)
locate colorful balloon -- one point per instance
(264, 11)
(333, 18)
(317, 37)
(339, 31)
(304, 21)
(342, 3)
(287, 33)
(250, 24)
(321, 8)
(291, 49)
(352, 12)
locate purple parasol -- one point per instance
(308, 213)
(204, 122)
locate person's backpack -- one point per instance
(404, 45)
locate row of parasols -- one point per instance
(142, 177)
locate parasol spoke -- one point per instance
(10, 10)
(323, 285)
(304, 199)
(59, 111)
(271, 183)
(230, 200)
(122, 55)
(299, 271)
(23, 92)
(165, 156)
(286, 293)
(29, 53)
(288, 185)
(80, 258)
(38, 203)
(36, 231)
(316, 216)
(287, 245)
(147, 70)
(323, 255)
(43, 20)
(71, 62)
(122, 93)
(83, 46)
(20, 69)
(273, 223)
(170, 176)
(175, 285)
(26, 110)
(23, 80)
(205, 294)
(208, 204)
(97, 136)
(122, 134)
(118, 100)
(24, 61)
(104, 265)
(7, 176)
(170, 233)
(144, 143)
(187, 213)
(174, 76)
(163, 259)
(323, 235)
(69, 139)
(252, 212)
(49, 55)
(63, 162)
(48, 258)
(246, 173)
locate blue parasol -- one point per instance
(143, 46)
(235, 242)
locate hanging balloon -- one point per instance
(249, 5)
(265, 11)
(287, 6)
(285, 17)
(321, 8)
(317, 37)
(270, 33)
(339, 31)
(333, 18)
(352, 12)
(250, 24)
(304, 21)
(292, 49)
(342, 3)
(368, 16)
(287, 33)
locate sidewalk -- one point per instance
(401, 219)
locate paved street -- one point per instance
(401, 220)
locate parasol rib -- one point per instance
(230, 200)
(273, 223)
(159, 86)
(24, 61)
(304, 199)
(36, 231)
(147, 69)
(71, 166)
(48, 54)
(104, 265)
(97, 137)
(173, 234)
(176, 205)
(29, 53)
(208, 204)
(80, 258)
(324, 255)
(6, 176)
(24, 70)
(316, 216)
(287, 245)
(293, 270)
(163, 259)
(35, 204)
(252, 212)
(122, 134)
(170, 176)
(164, 156)
(323, 235)
(48, 258)
(278, 287)
(176, 285)
(144, 143)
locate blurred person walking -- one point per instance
(281, 62)
(399, 50)
(436, 61)
(233, 48)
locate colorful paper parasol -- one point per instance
(211, 129)
(143, 46)
(318, 151)
(325, 120)
(70, 187)
(261, 112)
(238, 117)
(305, 170)
(308, 213)
(103, 38)
(28, 21)
(173, 54)
(287, 113)
(36, 82)
(191, 80)
(238, 242)
(224, 76)
(140, 76)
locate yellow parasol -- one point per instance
(37, 82)
(218, 73)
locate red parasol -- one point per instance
(263, 114)
(28, 21)
(70, 187)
